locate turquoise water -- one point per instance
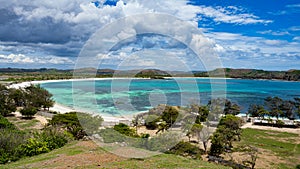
(128, 96)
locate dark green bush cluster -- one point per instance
(78, 124)
(31, 99)
(28, 111)
(49, 139)
(187, 149)
(5, 124)
(10, 140)
(15, 144)
(125, 130)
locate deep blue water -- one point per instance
(128, 96)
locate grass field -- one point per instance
(276, 149)
(85, 154)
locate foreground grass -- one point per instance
(85, 154)
(280, 148)
(276, 150)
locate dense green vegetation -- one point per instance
(30, 99)
(77, 123)
(291, 75)
(15, 144)
(276, 107)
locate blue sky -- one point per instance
(244, 33)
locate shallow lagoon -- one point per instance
(129, 96)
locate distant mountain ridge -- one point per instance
(290, 75)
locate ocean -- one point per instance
(129, 96)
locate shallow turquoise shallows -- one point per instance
(129, 96)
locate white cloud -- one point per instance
(23, 59)
(240, 51)
(293, 6)
(230, 14)
(297, 38)
(276, 33)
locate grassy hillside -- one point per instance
(279, 150)
(86, 154)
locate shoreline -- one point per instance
(62, 109)
(58, 107)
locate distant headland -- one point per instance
(18, 74)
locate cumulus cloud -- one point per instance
(239, 51)
(35, 31)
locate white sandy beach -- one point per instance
(64, 109)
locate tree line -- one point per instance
(276, 107)
(29, 99)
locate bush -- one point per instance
(151, 122)
(187, 149)
(28, 112)
(164, 141)
(298, 166)
(126, 130)
(78, 127)
(279, 123)
(5, 124)
(9, 143)
(49, 139)
(54, 138)
(110, 135)
(34, 146)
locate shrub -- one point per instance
(77, 127)
(124, 129)
(279, 123)
(54, 138)
(187, 149)
(49, 139)
(110, 135)
(163, 141)
(9, 142)
(5, 124)
(28, 112)
(151, 122)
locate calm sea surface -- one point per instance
(128, 96)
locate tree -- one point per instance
(170, 115)
(38, 97)
(151, 122)
(222, 106)
(203, 112)
(162, 126)
(71, 122)
(202, 133)
(18, 96)
(136, 121)
(274, 104)
(287, 108)
(7, 104)
(253, 110)
(262, 112)
(297, 105)
(228, 130)
(187, 125)
(28, 112)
